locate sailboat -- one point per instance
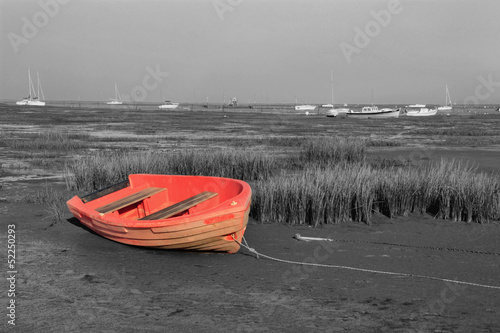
(447, 106)
(32, 99)
(117, 100)
(334, 112)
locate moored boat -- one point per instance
(168, 105)
(117, 100)
(33, 96)
(305, 107)
(420, 110)
(448, 104)
(373, 112)
(169, 212)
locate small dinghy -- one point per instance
(169, 212)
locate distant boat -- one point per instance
(168, 105)
(447, 106)
(334, 112)
(32, 99)
(117, 100)
(305, 107)
(373, 112)
(419, 110)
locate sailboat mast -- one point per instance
(331, 80)
(31, 87)
(38, 84)
(446, 97)
(29, 84)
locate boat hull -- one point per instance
(217, 224)
(373, 115)
(422, 113)
(445, 108)
(168, 107)
(305, 107)
(31, 103)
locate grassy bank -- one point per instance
(325, 180)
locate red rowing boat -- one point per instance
(169, 212)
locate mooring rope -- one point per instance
(360, 269)
(299, 237)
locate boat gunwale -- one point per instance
(242, 201)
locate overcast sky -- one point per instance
(275, 51)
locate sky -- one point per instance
(259, 51)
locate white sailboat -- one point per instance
(333, 112)
(117, 100)
(447, 106)
(33, 99)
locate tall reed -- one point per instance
(101, 169)
(326, 150)
(353, 192)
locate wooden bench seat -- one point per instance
(105, 191)
(180, 206)
(129, 200)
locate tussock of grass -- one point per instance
(102, 169)
(54, 202)
(332, 150)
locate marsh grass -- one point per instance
(384, 143)
(474, 131)
(54, 202)
(95, 171)
(327, 180)
(353, 192)
(50, 140)
(332, 150)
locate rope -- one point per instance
(299, 237)
(360, 269)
